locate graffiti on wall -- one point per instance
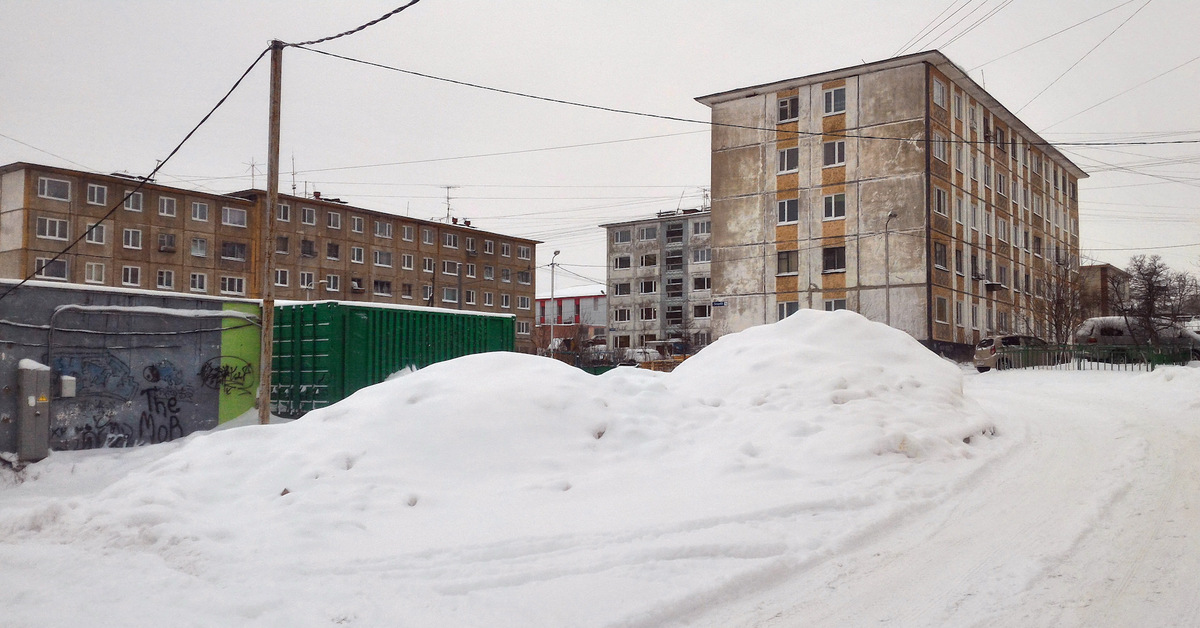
(229, 375)
(114, 408)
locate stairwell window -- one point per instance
(233, 216)
(835, 206)
(97, 194)
(833, 259)
(56, 189)
(834, 153)
(789, 160)
(789, 210)
(835, 100)
(789, 109)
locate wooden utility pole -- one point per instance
(268, 239)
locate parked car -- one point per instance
(1116, 336)
(988, 356)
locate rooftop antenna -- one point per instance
(253, 171)
(293, 174)
(679, 205)
(448, 188)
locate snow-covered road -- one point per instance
(1090, 520)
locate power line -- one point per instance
(978, 22)
(142, 182)
(922, 33)
(1085, 55)
(708, 123)
(1122, 93)
(358, 29)
(1051, 36)
(42, 150)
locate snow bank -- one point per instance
(505, 489)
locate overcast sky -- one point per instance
(114, 86)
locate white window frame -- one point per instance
(131, 275)
(45, 190)
(93, 272)
(333, 220)
(40, 265)
(829, 100)
(131, 239)
(133, 202)
(308, 215)
(229, 214)
(53, 228)
(357, 255)
(788, 160)
(829, 204)
(233, 285)
(165, 279)
(168, 206)
(199, 211)
(203, 248)
(839, 150)
(97, 194)
(198, 282)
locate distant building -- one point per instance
(1104, 287)
(575, 315)
(900, 189)
(177, 240)
(659, 281)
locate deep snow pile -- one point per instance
(503, 489)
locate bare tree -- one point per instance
(1060, 310)
(1156, 297)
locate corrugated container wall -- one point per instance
(324, 352)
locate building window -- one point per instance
(524, 252)
(505, 301)
(93, 272)
(620, 261)
(308, 248)
(283, 212)
(649, 260)
(787, 263)
(308, 215)
(958, 106)
(333, 251)
(701, 283)
(133, 201)
(621, 315)
(427, 293)
(789, 210)
(281, 245)
(648, 313)
(56, 189)
(940, 255)
(233, 216)
(506, 275)
(200, 212)
(939, 93)
(199, 247)
(96, 234)
(131, 276)
(787, 308)
(52, 228)
(489, 273)
(469, 297)
(674, 287)
(489, 247)
(333, 220)
(789, 109)
(45, 268)
(523, 303)
(166, 206)
(450, 240)
(833, 305)
(524, 277)
(407, 232)
(621, 289)
(427, 264)
(835, 206)
(789, 160)
(701, 256)
(281, 277)
(357, 254)
(383, 258)
(648, 286)
(357, 224)
(835, 153)
(166, 242)
(674, 315)
(488, 300)
(383, 229)
(450, 267)
(97, 194)
(702, 311)
(941, 310)
(833, 259)
(199, 282)
(939, 148)
(471, 270)
(333, 283)
(958, 261)
(166, 280)
(427, 236)
(406, 261)
(505, 249)
(132, 239)
(470, 245)
(233, 285)
(959, 319)
(307, 280)
(701, 227)
(622, 236)
(235, 251)
(940, 201)
(835, 100)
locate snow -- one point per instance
(824, 470)
(25, 364)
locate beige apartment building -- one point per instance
(900, 189)
(165, 238)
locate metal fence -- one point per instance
(1093, 357)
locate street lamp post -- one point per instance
(553, 304)
(887, 269)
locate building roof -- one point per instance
(590, 290)
(664, 216)
(932, 57)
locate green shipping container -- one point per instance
(324, 351)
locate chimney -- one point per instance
(454, 220)
(467, 223)
(316, 195)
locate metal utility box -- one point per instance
(325, 351)
(33, 411)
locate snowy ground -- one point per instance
(824, 471)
